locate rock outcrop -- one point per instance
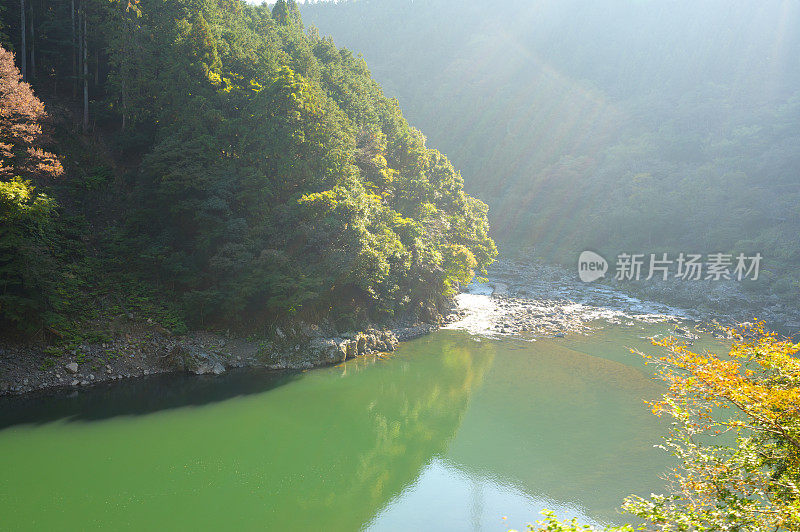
(151, 351)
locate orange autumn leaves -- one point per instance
(759, 378)
(22, 115)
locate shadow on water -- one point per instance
(135, 397)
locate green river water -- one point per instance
(452, 432)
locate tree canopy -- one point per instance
(261, 173)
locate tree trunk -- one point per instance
(23, 60)
(124, 104)
(74, 52)
(33, 45)
(125, 70)
(79, 76)
(85, 80)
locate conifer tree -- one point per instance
(287, 13)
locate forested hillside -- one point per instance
(222, 167)
(616, 126)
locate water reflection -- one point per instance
(414, 411)
(453, 432)
(565, 426)
(550, 427)
(326, 449)
(446, 497)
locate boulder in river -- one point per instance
(351, 349)
(328, 350)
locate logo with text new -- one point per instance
(591, 266)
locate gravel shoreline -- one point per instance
(726, 302)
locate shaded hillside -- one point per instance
(618, 126)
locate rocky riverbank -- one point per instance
(522, 299)
(148, 350)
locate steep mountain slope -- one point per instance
(234, 171)
(617, 126)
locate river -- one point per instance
(468, 428)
